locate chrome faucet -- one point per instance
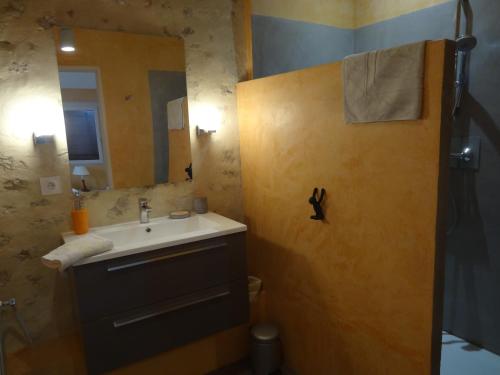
(144, 210)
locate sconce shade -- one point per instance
(80, 170)
(43, 139)
(67, 40)
(208, 119)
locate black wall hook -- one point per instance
(316, 203)
(189, 171)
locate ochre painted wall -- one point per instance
(368, 12)
(348, 14)
(124, 60)
(353, 294)
(338, 13)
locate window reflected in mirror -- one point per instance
(84, 133)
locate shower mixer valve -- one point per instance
(466, 155)
(465, 152)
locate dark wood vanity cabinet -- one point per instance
(140, 305)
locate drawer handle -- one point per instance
(164, 257)
(127, 321)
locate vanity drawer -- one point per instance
(108, 287)
(137, 334)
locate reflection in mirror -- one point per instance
(84, 133)
(125, 110)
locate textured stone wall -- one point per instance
(30, 224)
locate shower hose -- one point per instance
(5, 306)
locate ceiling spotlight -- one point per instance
(67, 40)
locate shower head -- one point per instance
(465, 7)
(466, 43)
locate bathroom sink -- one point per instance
(133, 237)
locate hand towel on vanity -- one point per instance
(384, 85)
(71, 252)
(175, 114)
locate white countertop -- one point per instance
(134, 238)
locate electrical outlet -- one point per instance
(50, 185)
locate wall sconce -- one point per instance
(43, 137)
(67, 43)
(43, 132)
(208, 119)
(37, 118)
(200, 131)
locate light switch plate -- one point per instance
(50, 185)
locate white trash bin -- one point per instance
(254, 287)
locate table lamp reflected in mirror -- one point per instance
(82, 171)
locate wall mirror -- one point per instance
(125, 108)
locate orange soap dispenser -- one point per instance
(79, 214)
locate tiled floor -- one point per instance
(458, 357)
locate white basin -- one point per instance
(133, 237)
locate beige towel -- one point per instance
(175, 114)
(384, 85)
(73, 251)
